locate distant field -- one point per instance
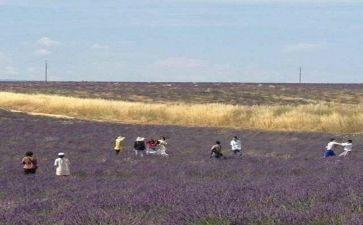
(226, 93)
(326, 117)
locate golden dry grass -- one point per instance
(313, 117)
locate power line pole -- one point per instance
(46, 71)
(300, 75)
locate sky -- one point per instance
(182, 40)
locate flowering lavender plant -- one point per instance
(281, 178)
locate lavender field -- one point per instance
(282, 179)
(226, 93)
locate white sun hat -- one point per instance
(61, 154)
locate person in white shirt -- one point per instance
(236, 146)
(162, 146)
(62, 165)
(329, 149)
(347, 148)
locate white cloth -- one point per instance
(151, 151)
(62, 167)
(347, 146)
(236, 145)
(331, 145)
(162, 148)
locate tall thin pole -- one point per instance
(46, 71)
(300, 75)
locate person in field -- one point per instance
(216, 150)
(139, 146)
(236, 146)
(162, 146)
(347, 148)
(29, 163)
(62, 165)
(119, 144)
(329, 150)
(151, 146)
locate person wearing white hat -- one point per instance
(119, 144)
(62, 165)
(139, 146)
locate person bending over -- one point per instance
(29, 163)
(329, 149)
(119, 144)
(216, 151)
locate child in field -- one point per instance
(162, 146)
(62, 165)
(29, 163)
(329, 151)
(139, 146)
(119, 144)
(347, 148)
(216, 150)
(236, 146)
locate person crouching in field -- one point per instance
(119, 144)
(29, 163)
(62, 165)
(329, 151)
(236, 146)
(216, 151)
(139, 146)
(151, 146)
(347, 148)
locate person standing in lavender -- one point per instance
(162, 146)
(236, 146)
(139, 146)
(62, 165)
(347, 148)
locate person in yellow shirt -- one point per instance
(119, 144)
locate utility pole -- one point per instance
(300, 75)
(46, 71)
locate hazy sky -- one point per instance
(182, 40)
